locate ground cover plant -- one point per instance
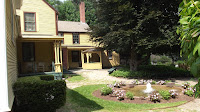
(165, 94)
(130, 95)
(39, 94)
(81, 99)
(73, 77)
(152, 71)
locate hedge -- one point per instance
(152, 71)
(39, 94)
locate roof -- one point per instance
(92, 50)
(50, 6)
(71, 26)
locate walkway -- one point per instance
(102, 77)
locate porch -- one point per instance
(85, 58)
(39, 55)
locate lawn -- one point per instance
(81, 100)
(73, 77)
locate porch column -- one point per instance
(58, 54)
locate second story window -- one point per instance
(29, 21)
(76, 38)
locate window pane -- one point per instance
(29, 26)
(75, 38)
(29, 17)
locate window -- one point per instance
(76, 38)
(94, 57)
(28, 52)
(109, 54)
(29, 21)
(75, 56)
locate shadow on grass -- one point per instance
(78, 103)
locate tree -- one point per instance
(136, 26)
(189, 30)
(68, 12)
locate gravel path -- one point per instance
(102, 77)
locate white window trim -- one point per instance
(4, 105)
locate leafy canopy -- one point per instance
(189, 30)
(139, 26)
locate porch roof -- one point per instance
(44, 37)
(92, 50)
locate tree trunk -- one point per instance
(133, 61)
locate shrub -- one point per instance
(165, 94)
(153, 82)
(47, 77)
(120, 94)
(106, 91)
(186, 85)
(197, 89)
(155, 97)
(152, 71)
(161, 82)
(129, 95)
(167, 81)
(35, 95)
(189, 92)
(173, 93)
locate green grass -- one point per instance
(73, 77)
(81, 100)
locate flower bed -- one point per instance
(118, 93)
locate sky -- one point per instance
(62, 0)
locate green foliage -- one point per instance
(164, 59)
(39, 94)
(69, 10)
(189, 93)
(106, 90)
(140, 27)
(197, 87)
(165, 94)
(47, 77)
(189, 30)
(152, 71)
(167, 81)
(153, 82)
(129, 95)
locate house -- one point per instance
(9, 32)
(79, 51)
(39, 47)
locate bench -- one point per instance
(111, 70)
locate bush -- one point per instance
(47, 77)
(153, 82)
(106, 91)
(165, 94)
(189, 92)
(129, 95)
(152, 71)
(155, 97)
(197, 89)
(39, 94)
